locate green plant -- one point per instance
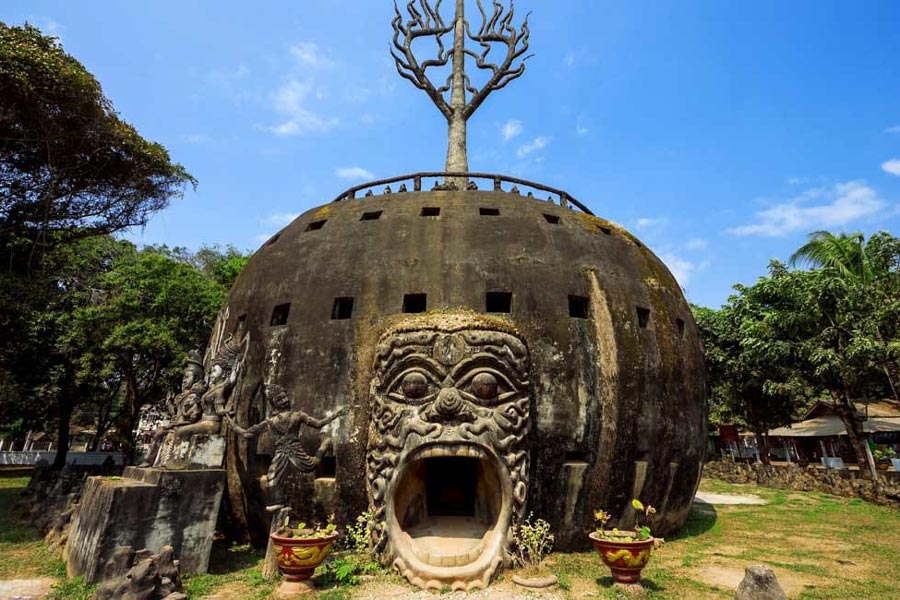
(304, 532)
(358, 539)
(533, 541)
(883, 454)
(641, 530)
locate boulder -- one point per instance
(759, 583)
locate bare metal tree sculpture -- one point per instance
(425, 20)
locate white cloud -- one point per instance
(891, 166)
(582, 130)
(647, 223)
(681, 268)
(570, 59)
(354, 173)
(511, 129)
(195, 138)
(893, 129)
(537, 144)
(291, 100)
(697, 244)
(278, 220)
(47, 25)
(308, 54)
(262, 237)
(818, 208)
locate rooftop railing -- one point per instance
(441, 184)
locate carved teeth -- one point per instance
(450, 450)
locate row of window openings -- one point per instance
(434, 211)
(494, 302)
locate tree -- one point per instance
(867, 267)
(34, 313)
(465, 98)
(156, 305)
(750, 371)
(69, 166)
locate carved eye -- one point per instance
(414, 385)
(484, 385)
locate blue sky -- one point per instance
(720, 133)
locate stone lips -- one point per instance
(617, 399)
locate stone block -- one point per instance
(147, 508)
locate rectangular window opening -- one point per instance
(430, 211)
(371, 216)
(489, 212)
(327, 468)
(273, 239)
(552, 219)
(342, 309)
(577, 456)
(643, 315)
(241, 322)
(316, 225)
(578, 307)
(498, 302)
(415, 303)
(280, 315)
(679, 323)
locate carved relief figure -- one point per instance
(182, 408)
(210, 398)
(285, 425)
(447, 446)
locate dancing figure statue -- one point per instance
(285, 425)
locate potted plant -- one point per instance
(532, 541)
(299, 550)
(626, 553)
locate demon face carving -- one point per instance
(447, 461)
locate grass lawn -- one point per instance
(819, 546)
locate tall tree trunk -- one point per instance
(457, 158)
(129, 416)
(853, 424)
(762, 446)
(66, 406)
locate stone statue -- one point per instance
(227, 366)
(182, 408)
(285, 425)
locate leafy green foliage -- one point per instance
(69, 166)
(104, 326)
(795, 336)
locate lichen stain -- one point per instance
(608, 365)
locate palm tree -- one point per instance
(843, 252)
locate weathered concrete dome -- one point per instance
(579, 325)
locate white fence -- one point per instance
(31, 457)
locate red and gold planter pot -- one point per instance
(625, 557)
(299, 557)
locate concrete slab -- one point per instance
(729, 499)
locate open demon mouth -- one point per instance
(451, 513)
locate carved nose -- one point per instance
(449, 402)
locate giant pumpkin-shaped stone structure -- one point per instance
(462, 358)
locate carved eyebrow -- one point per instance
(422, 363)
(483, 361)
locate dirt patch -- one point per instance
(26, 588)
(504, 589)
(729, 577)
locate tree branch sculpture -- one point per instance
(424, 20)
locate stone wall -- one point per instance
(840, 482)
